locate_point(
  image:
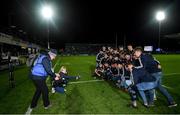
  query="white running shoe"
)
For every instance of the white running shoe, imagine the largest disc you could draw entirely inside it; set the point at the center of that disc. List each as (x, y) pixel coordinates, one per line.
(53, 90)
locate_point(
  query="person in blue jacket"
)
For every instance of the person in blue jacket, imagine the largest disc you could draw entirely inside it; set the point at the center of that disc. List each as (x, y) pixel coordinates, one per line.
(41, 68)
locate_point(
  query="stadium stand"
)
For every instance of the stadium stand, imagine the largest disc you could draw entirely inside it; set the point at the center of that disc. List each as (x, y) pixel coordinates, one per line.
(83, 49)
(18, 49)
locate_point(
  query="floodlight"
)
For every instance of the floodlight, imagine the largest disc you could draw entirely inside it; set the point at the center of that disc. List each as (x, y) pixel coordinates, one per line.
(160, 15)
(47, 12)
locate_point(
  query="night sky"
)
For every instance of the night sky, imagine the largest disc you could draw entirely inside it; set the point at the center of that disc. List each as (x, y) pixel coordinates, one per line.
(92, 21)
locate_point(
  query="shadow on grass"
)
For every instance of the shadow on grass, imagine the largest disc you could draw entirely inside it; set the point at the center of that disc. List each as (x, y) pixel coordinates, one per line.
(118, 90)
(74, 102)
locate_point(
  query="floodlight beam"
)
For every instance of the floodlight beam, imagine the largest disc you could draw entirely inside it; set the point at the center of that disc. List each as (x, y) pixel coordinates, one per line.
(160, 16)
(47, 12)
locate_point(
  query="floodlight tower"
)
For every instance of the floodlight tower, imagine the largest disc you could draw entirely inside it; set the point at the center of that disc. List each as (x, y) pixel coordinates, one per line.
(160, 16)
(47, 13)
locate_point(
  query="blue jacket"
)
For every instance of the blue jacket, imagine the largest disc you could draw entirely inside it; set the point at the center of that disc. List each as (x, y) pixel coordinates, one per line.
(42, 67)
(38, 69)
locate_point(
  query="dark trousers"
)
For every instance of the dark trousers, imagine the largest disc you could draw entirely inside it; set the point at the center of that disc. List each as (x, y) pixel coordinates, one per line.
(132, 90)
(41, 88)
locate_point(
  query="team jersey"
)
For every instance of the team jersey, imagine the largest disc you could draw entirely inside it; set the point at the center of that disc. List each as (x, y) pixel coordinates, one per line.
(104, 60)
(99, 57)
(115, 71)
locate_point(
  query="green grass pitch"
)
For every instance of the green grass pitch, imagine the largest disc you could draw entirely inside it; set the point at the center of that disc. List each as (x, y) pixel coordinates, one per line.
(86, 98)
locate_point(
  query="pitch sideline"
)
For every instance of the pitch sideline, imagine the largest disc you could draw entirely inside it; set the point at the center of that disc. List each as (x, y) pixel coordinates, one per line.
(88, 81)
(29, 110)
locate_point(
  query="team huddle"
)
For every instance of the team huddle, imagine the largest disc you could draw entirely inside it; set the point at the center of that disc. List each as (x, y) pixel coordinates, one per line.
(134, 71)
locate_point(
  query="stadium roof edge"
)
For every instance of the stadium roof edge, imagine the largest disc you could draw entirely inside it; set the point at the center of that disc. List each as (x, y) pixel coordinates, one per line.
(8, 39)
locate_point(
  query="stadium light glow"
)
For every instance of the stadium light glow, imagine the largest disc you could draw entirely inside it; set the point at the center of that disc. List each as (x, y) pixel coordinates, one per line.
(47, 12)
(160, 15)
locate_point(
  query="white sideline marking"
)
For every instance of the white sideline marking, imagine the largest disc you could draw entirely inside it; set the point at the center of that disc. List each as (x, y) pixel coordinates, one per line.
(79, 82)
(167, 87)
(29, 110)
(65, 63)
(89, 81)
(168, 74)
(90, 62)
(103, 80)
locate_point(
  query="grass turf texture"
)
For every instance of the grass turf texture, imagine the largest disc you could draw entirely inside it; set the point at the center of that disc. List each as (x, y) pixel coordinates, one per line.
(95, 97)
